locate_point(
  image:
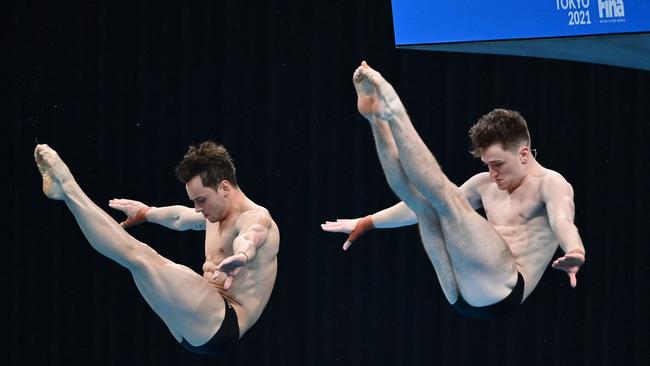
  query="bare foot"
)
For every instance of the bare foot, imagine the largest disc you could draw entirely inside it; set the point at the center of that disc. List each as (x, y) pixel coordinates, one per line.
(375, 96)
(53, 170)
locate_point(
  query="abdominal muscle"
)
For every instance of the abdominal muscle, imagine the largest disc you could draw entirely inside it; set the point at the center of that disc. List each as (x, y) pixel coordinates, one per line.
(532, 245)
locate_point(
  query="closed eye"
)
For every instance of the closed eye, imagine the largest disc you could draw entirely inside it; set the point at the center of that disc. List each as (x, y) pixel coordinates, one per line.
(494, 165)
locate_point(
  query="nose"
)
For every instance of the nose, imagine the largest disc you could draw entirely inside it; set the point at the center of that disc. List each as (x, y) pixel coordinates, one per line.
(197, 208)
(493, 173)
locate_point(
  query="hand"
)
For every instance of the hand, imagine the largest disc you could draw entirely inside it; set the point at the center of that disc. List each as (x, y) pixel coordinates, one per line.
(339, 226)
(570, 264)
(231, 267)
(355, 227)
(135, 211)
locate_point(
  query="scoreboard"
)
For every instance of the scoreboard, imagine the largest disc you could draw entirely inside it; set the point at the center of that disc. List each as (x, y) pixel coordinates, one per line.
(613, 32)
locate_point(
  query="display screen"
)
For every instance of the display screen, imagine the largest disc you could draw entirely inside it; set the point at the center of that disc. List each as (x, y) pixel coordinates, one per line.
(435, 21)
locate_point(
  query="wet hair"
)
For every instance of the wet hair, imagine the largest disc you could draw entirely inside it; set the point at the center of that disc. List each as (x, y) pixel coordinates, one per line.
(502, 126)
(210, 161)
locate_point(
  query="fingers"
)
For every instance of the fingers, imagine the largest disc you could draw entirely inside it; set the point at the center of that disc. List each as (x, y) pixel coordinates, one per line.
(125, 202)
(331, 227)
(566, 262)
(116, 205)
(555, 263)
(226, 285)
(233, 264)
(215, 275)
(562, 266)
(569, 267)
(347, 244)
(573, 280)
(230, 276)
(119, 204)
(335, 226)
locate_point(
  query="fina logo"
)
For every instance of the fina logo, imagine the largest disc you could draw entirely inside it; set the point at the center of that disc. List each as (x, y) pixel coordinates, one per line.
(611, 9)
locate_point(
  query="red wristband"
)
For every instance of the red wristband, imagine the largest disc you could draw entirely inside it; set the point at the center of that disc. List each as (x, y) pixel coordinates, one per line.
(139, 218)
(364, 224)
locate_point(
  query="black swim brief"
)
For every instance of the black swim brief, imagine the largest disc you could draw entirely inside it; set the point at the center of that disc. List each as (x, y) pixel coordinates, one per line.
(503, 307)
(226, 336)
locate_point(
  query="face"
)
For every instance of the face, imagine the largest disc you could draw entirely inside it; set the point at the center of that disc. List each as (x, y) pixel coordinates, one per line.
(506, 167)
(213, 204)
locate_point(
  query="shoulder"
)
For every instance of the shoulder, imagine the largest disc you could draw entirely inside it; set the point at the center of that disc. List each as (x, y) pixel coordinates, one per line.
(474, 188)
(257, 215)
(480, 178)
(553, 183)
(477, 181)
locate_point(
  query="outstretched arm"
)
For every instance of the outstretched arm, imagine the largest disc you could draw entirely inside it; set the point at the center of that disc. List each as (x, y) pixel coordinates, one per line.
(253, 227)
(176, 217)
(395, 216)
(558, 197)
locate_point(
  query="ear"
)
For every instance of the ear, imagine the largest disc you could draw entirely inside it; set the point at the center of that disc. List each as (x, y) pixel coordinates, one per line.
(524, 154)
(225, 187)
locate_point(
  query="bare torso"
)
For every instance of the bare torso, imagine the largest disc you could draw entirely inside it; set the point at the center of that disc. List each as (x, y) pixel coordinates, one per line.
(522, 221)
(251, 289)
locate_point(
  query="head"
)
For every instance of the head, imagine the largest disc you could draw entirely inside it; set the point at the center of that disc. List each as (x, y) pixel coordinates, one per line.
(502, 141)
(209, 176)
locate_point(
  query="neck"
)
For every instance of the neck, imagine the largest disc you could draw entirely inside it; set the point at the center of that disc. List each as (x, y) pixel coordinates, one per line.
(238, 203)
(532, 167)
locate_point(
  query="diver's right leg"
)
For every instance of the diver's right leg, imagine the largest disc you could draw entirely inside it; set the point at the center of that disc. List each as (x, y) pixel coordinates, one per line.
(184, 300)
(428, 222)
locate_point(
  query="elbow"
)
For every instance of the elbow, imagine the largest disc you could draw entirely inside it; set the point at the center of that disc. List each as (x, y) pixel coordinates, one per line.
(179, 225)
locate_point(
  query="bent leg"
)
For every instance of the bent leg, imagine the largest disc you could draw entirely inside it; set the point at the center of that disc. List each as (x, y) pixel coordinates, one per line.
(428, 223)
(190, 307)
(186, 302)
(483, 265)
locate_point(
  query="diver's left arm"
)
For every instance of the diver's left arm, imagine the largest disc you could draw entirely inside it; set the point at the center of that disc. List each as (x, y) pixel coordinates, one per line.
(557, 194)
(253, 227)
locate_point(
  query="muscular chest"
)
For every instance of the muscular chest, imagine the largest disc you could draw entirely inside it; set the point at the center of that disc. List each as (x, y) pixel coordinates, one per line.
(516, 208)
(218, 241)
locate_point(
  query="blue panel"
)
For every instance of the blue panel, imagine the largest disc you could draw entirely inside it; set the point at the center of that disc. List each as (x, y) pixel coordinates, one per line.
(435, 21)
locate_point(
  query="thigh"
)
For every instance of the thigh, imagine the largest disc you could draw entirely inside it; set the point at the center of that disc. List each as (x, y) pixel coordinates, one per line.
(188, 304)
(435, 247)
(484, 267)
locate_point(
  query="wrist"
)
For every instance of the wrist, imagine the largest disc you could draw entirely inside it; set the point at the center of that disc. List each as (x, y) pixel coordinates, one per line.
(365, 223)
(141, 215)
(245, 255)
(577, 251)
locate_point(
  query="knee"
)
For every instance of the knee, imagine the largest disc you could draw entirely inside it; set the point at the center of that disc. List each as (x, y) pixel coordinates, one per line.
(452, 202)
(142, 257)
